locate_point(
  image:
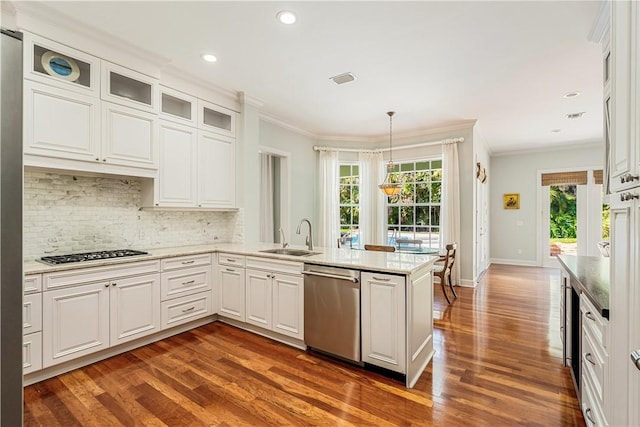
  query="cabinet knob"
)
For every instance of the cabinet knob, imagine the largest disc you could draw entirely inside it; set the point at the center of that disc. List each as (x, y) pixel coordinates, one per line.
(114, 284)
(106, 285)
(97, 159)
(104, 160)
(589, 316)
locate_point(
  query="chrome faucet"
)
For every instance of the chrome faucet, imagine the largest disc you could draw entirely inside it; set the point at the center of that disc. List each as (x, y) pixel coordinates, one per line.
(309, 240)
(284, 240)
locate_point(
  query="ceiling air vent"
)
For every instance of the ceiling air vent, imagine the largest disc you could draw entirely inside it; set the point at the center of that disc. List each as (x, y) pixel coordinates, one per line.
(343, 78)
(575, 115)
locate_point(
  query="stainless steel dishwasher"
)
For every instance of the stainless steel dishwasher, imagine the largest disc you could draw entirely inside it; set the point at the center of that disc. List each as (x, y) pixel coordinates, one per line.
(332, 311)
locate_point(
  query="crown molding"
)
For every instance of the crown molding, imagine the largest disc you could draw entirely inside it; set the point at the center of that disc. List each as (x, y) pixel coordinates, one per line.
(600, 29)
(278, 122)
(171, 71)
(407, 136)
(250, 100)
(37, 17)
(550, 148)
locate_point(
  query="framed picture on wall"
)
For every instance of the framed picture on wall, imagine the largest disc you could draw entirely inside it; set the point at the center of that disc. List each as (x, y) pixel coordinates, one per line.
(511, 201)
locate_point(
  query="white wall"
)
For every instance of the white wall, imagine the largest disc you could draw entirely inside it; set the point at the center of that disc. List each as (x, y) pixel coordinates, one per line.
(481, 229)
(517, 173)
(303, 173)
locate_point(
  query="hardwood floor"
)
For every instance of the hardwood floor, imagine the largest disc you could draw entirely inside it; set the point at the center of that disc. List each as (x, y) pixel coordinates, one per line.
(497, 362)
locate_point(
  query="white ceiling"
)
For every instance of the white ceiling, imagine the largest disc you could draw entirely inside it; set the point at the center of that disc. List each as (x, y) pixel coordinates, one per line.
(505, 63)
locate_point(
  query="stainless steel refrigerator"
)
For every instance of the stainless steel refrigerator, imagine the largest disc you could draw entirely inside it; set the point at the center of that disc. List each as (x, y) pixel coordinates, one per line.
(11, 184)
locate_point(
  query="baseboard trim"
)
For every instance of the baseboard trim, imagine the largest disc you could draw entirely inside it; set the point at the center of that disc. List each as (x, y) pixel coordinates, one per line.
(466, 283)
(518, 262)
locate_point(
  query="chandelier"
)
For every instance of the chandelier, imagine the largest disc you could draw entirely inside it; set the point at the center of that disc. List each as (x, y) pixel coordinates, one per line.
(388, 187)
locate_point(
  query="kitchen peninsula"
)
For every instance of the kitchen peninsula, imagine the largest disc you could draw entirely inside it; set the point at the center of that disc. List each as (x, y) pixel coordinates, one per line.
(92, 310)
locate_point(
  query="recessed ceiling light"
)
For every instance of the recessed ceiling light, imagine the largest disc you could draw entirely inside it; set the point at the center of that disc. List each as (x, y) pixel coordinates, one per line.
(556, 130)
(571, 94)
(286, 17)
(575, 115)
(209, 57)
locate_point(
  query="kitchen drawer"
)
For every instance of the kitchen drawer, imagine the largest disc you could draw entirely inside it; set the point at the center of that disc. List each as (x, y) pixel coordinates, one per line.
(180, 262)
(65, 278)
(592, 411)
(32, 352)
(594, 360)
(231, 259)
(185, 309)
(32, 283)
(32, 313)
(275, 265)
(593, 321)
(185, 282)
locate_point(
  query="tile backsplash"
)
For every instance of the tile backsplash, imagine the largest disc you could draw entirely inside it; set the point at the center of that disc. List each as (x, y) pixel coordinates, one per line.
(73, 213)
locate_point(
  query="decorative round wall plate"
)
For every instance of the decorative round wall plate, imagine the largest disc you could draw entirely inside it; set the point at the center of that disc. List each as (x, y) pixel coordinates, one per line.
(60, 66)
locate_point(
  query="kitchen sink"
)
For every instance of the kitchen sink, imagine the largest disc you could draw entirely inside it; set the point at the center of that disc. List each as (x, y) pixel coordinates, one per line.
(288, 251)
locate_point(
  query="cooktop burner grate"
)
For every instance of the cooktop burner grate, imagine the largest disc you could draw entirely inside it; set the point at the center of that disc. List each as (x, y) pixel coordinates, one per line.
(91, 256)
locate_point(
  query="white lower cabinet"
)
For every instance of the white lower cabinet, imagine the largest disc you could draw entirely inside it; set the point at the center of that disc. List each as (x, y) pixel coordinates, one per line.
(32, 324)
(91, 315)
(258, 298)
(231, 279)
(383, 320)
(76, 322)
(275, 296)
(134, 308)
(186, 289)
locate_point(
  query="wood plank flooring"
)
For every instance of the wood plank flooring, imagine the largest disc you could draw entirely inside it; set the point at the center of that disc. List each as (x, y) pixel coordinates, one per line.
(497, 362)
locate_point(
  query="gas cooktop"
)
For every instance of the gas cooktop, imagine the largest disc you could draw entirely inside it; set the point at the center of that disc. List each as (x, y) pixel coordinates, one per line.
(90, 256)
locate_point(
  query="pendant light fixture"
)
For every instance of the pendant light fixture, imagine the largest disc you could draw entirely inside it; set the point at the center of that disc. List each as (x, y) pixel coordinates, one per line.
(390, 188)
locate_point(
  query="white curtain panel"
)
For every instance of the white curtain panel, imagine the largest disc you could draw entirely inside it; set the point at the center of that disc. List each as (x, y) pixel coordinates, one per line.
(266, 198)
(328, 191)
(450, 215)
(373, 215)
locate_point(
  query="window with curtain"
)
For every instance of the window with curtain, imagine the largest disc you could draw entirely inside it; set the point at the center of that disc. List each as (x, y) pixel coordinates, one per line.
(349, 204)
(414, 214)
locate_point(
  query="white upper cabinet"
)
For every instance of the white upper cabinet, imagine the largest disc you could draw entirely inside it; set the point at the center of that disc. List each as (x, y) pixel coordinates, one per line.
(178, 107)
(128, 137)
(61, 66)
(216, 171)
(60, 123)
(176, 185)
(129, 88)
(217, 119)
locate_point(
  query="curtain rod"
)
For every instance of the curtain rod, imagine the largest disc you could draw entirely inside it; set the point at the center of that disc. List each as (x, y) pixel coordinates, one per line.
(401, 147)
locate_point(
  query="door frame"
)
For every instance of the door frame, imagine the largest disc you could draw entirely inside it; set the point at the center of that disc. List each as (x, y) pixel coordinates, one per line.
(285, 185)
(542, 224)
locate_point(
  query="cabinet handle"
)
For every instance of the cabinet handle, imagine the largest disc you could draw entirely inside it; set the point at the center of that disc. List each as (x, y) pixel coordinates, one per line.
(635, 356)
(106, 285)
(628, 196)
(230, 269)
(114, 284)
(231, 260)
(588, 358)
(589, 316)
(190, 282)
(189, 309)
(628, 178)
(587, 413)
(188, 262)
(382, 279)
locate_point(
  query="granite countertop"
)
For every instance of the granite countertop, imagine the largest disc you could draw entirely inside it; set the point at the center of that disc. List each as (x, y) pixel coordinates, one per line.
(388, 262)
(591, 276)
